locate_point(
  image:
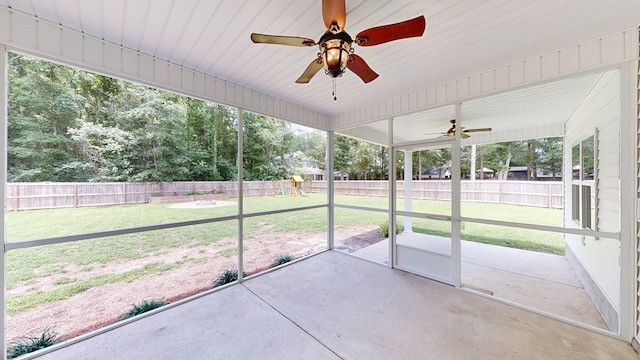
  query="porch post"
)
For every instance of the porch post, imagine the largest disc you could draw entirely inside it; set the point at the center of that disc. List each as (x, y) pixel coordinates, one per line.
(408, 187)
(473, 163)
(393, 195)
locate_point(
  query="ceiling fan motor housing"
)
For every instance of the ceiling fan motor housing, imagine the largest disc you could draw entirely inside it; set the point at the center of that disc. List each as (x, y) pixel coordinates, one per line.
(335, 50)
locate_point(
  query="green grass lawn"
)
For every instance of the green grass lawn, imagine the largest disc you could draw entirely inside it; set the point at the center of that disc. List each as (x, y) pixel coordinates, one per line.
(25, 266)
(489, 234)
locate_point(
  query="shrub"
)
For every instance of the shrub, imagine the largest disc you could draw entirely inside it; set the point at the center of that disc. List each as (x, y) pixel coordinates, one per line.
(25, 345)
(194, 193)
(282, 259)
(227, 276)
(384, 228)
(143, 307)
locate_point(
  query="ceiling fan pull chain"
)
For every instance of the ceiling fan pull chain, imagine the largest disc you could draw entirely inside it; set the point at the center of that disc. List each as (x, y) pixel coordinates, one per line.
(333, 92)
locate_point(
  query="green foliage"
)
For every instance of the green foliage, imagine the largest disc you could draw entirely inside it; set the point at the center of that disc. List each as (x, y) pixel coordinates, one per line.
(129, 132)
(193, 192)
(537, 154)
(42, 106)
(384, 228)
(282, 259)
(25, 345)
(143, 307)
(360, 160)
(227, 276)
(67, 124)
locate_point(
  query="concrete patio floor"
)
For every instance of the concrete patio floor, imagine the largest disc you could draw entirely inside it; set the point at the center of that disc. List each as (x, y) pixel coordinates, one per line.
(334, 306)
(541, 281)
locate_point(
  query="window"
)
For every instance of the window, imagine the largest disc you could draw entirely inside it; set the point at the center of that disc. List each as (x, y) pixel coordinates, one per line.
(583, 170)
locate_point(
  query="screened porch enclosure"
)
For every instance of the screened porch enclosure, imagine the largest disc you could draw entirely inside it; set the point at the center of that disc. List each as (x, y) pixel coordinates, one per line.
(166, 183)
(425, 197)
(439, 225)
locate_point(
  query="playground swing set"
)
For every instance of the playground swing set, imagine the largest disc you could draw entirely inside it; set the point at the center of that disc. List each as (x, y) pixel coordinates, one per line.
(295, 187)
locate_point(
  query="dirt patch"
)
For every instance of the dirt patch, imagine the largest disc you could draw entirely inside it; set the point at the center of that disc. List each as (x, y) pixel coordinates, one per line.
(355, 238)
(195, 267)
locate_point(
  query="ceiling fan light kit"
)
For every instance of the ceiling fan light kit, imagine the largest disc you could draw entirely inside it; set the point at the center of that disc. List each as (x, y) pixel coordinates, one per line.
(336, 51)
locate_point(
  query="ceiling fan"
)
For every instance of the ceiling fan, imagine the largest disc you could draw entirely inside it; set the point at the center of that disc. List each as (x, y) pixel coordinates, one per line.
(336, 51)
(463, 133)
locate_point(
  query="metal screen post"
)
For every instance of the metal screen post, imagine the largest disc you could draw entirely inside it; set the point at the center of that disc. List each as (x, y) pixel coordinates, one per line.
(329, 166)
(4, 89)
(456, 199)
(240, 164)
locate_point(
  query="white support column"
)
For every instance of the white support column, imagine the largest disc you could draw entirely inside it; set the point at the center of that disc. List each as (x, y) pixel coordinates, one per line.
(329, 167)
(628, 180)
(473, 163)
(408, 189)
(392, 197)
(240, 164)
(4, 89)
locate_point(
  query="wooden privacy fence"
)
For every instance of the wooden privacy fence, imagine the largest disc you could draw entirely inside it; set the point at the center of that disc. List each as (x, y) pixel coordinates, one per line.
(31, 196)
(548, 194)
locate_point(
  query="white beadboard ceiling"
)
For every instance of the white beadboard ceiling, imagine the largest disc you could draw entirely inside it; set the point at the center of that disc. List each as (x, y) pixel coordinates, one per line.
(462, 37)
(527, 108)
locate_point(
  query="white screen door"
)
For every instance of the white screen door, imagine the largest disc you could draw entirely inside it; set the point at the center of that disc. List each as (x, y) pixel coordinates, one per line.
(423, 243)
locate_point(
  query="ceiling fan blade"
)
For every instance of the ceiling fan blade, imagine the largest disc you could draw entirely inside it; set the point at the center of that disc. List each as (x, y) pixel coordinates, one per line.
(464, 136)
(476, 130)
(382, 34)
(281, 40)
(334, 11)
(360, 68)
(310, 71)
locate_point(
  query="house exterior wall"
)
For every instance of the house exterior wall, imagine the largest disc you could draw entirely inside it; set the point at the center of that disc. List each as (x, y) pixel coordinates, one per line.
(596, 260)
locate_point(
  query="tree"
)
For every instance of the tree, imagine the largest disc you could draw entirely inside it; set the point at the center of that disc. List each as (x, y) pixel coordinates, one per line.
(157, 124)
(42, 105)
(344, 148)
(267, 146)
(106, 149)
(210, 138)
(551, 155)
(312, 144)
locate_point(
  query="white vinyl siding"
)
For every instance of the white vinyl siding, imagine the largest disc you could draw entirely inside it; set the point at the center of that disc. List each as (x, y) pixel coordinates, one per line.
(599, 115)
(601, 110)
